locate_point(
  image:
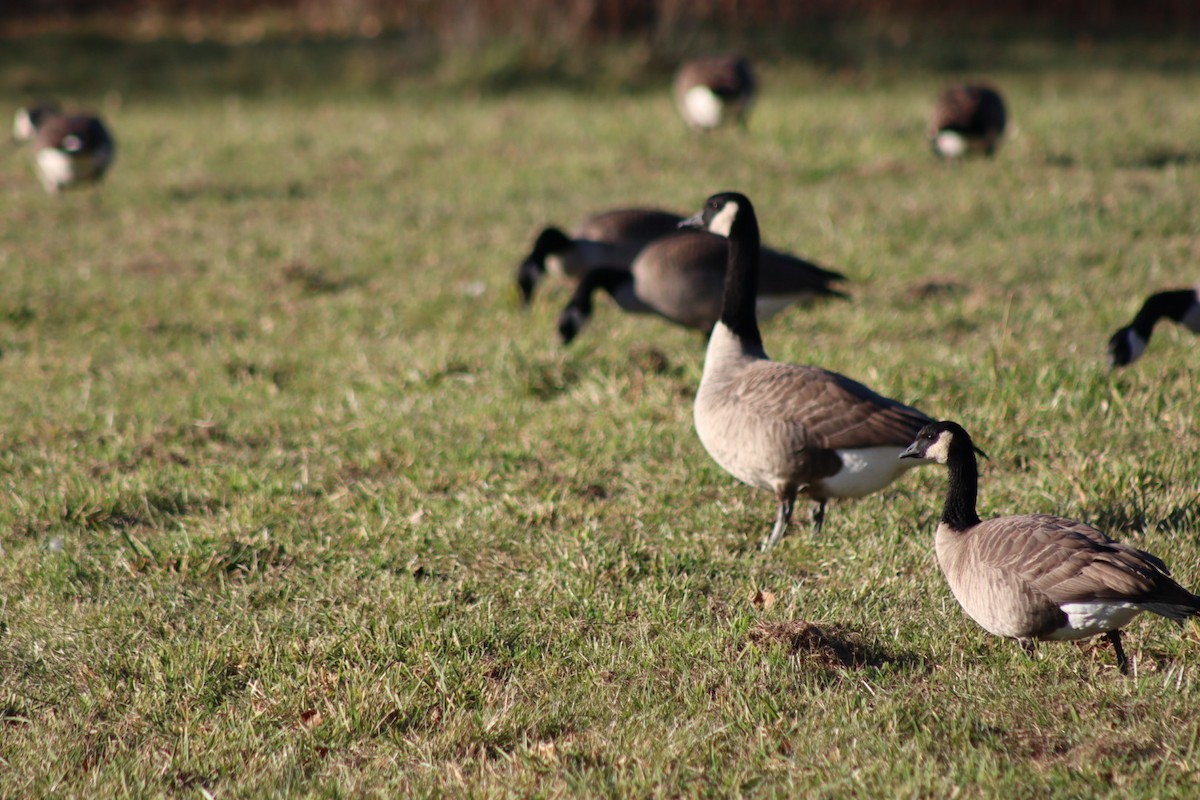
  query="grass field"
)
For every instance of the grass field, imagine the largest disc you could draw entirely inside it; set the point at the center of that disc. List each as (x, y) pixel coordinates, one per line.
(298, 502)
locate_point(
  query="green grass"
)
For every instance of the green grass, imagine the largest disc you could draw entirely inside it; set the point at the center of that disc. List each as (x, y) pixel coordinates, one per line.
(291, 511)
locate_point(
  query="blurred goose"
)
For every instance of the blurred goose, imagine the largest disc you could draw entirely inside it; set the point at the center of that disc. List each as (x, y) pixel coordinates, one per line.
(1039, 576)
(68, 150)
(787, 428)
(967, 117)
(1180, 305)
(710, 91)
(27, 120)
(611, 238)
(680, 278)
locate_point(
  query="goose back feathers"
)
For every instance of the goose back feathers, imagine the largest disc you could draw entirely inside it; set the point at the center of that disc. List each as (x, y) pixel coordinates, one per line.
(680, 278)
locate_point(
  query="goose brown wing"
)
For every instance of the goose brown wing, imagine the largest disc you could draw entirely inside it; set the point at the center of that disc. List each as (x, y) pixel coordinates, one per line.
(1069, 562)
(834, 411)
(782, 273)
(627, 225)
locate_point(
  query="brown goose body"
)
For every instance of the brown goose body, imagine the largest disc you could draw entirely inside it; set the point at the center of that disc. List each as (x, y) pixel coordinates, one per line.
(795, 429)
(787, 428)
(71, 150)
(1039, 576)
(715, 90)
(680, 278)
(608, 239)
(969, 117)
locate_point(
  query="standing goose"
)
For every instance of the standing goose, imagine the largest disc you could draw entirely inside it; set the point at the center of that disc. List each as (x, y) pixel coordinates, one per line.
(68, 150)
(680, 278)
(787, 428)
(610, 238)
(967, 117)
(710, 91)
(1039, 576)
(1180, 305)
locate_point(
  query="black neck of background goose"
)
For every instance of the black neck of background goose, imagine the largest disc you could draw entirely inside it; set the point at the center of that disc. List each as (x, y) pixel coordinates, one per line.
(1173, 305)
(610, 279)
(959, 512)
(741, 277)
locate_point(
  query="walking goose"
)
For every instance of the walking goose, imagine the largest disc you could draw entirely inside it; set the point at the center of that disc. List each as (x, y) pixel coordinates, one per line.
(709, 91)
(787, 428)
(680, 278)
(1180, 305)
(1039, 576)
(967, 117)
(610, 238)
(68, 150)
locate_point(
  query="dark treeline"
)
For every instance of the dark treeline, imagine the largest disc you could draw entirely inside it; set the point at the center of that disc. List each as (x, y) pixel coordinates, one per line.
(610, 19)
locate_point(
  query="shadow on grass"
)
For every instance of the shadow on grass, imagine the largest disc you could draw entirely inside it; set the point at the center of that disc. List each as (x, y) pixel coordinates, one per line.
(1161, 158)
(830, 647)
(1124, 519)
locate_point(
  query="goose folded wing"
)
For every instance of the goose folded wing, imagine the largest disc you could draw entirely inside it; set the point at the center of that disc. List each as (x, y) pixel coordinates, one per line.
(1067, 561)
(834, 411)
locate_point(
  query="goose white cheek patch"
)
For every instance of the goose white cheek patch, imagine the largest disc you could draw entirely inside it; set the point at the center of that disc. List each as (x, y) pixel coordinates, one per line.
(722, 223)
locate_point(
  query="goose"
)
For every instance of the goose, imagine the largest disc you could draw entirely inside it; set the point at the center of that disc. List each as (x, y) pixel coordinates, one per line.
(680, 278)
(68, 150)
(610, 238)
(1039, 576)
(787, 428)
(26, 120)
(967, 117)
(709, 91)
(1182, 305)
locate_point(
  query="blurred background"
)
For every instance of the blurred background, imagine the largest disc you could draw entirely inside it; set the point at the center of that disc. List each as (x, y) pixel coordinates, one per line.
(500, 45)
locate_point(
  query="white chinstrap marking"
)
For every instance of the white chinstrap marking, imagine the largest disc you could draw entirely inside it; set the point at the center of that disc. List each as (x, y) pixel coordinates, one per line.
(722, 223)
(939, 451)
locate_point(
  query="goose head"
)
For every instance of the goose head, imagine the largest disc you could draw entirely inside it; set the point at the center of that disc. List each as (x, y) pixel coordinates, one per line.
(722, 214)
(550, 242)
(939, 441)
(1125, 347)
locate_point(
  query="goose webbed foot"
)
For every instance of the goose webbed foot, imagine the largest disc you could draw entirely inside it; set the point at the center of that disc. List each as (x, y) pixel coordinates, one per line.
(1028, 646)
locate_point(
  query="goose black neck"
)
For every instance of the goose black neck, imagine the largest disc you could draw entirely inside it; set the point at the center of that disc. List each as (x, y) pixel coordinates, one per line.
(959, 512)
(610, 279)
(738, 312)
(1173, 305)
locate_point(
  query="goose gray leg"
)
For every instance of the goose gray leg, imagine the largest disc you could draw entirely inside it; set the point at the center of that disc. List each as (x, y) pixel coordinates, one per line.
(818, 516)
(1122, 662)
(781, 521)
(1028, 646)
